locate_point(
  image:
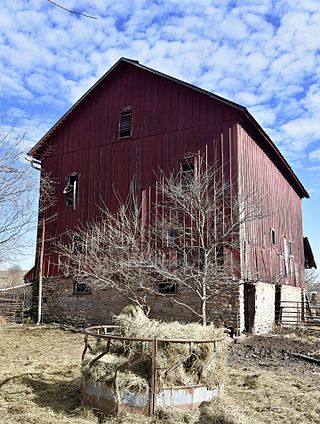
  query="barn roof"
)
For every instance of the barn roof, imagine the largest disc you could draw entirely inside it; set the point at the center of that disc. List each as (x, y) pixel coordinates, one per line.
(35, 152)
(309, 261)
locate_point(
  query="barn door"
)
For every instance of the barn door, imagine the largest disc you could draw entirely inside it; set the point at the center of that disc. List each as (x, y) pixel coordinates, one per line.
(277, 304)
(249, 306)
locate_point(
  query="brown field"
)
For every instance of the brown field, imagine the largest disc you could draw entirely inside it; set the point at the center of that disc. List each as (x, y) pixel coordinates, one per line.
(40, 382)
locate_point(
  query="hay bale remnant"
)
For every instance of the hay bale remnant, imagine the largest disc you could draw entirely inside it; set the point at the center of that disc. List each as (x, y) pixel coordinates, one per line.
(125, 366)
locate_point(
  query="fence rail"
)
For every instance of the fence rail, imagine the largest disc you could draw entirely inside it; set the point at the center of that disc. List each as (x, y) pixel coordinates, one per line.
(15, 303)
(303, 313)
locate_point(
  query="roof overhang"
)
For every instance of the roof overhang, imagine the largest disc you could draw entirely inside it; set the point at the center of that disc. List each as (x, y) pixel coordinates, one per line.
(309, 261)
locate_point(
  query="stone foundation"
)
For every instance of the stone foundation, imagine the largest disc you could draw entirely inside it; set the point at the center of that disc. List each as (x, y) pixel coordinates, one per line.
(226, 307)
(61, 304)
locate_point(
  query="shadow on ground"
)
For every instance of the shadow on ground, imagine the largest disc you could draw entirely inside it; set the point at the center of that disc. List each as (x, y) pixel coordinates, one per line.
(61, 396)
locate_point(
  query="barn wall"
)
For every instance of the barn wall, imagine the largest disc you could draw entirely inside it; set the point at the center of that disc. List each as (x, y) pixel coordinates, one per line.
(264, 186)
(169, 121)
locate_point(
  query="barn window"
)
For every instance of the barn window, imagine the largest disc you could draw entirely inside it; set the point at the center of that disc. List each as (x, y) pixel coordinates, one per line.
(81, 288)
(71, 190)
(187, 172)
(201, 258)
(125, 124)
(290, 248)
(77, 244)
(220, 255)
(172, 237)
(273, 237)
(168, 287)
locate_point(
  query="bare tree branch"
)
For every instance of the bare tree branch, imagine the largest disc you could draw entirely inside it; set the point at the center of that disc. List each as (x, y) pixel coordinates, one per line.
(16, 194)
(72, 11)
(192, 241)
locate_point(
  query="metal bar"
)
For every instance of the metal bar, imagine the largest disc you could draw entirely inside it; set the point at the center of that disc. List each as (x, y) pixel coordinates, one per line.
(153, 391)
(16, 287)
(174, 367)
(41, 272)
(145, 339)
(85, 347)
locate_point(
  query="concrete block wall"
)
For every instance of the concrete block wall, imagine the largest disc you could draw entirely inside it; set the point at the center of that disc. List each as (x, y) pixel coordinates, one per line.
(264, 308)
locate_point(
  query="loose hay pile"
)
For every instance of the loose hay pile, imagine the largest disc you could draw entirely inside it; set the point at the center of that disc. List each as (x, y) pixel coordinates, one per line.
(126, 365)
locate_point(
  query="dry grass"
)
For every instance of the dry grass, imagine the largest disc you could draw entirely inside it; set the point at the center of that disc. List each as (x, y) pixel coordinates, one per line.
(39, 384)
(276, 397)
(40, 377)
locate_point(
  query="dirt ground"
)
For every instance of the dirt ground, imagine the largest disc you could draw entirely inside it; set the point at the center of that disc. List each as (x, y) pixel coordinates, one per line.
(271, 383)
(40, 381)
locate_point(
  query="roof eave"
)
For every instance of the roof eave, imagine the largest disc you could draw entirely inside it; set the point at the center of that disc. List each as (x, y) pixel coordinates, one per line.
(299, 187)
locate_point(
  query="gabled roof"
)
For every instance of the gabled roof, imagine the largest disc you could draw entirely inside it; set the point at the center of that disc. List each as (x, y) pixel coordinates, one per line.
(35, 151)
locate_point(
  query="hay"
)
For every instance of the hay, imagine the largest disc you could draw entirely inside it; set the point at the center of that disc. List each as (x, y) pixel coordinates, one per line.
(39, 376)
(178, 364)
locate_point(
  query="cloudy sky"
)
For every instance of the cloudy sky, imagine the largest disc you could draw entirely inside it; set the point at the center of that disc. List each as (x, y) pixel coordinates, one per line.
(263, 54)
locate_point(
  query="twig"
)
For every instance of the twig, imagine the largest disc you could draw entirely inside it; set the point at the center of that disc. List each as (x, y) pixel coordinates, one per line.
(71, 11)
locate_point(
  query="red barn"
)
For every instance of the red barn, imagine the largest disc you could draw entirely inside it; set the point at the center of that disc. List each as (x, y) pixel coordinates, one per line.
(135, 120)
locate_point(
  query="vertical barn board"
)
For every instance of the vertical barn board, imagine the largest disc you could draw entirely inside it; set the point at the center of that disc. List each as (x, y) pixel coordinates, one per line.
(281, 202)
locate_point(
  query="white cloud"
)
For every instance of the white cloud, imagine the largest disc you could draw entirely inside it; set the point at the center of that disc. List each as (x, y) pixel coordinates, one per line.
(263, 54)
(315, 155)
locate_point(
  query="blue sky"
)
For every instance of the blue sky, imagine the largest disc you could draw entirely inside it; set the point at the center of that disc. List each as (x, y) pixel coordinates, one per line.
(263, 54)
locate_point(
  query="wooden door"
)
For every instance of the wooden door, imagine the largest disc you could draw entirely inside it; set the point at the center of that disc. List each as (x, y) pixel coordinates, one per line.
(249, 306)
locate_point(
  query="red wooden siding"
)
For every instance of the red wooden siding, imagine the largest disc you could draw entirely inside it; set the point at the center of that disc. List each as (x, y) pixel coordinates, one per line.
(169, 121)
(281, 208)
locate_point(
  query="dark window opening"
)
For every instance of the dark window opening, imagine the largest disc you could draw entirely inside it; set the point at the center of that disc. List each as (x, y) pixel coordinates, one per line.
(71, 191)
(201, 258)
(172, 237)
(168, 287)
(77, 244)
(187, 172)
(81, 288)
(125, 124)
(219, 255)
(290, 248)
(181, 258)
(273, 237)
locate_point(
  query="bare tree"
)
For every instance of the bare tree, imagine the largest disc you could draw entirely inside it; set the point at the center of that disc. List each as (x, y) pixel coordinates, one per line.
(192, 240)
(312, 280)
(107, 253)
(16, 194)
(196, 237)
(14, 275)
